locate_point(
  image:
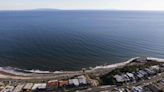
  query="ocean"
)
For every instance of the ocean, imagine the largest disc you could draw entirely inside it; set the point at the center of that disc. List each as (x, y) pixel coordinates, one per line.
(75, 39)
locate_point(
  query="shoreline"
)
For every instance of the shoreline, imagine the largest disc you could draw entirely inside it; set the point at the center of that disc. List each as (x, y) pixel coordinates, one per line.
(8, 73)
(19, 71)
(116, 64)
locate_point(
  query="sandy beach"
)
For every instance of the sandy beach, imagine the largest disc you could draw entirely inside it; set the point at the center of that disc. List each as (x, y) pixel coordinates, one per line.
(10, 74)
(98, 70)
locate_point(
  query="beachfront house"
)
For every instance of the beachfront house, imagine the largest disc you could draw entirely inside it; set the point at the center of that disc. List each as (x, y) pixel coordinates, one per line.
(28, 87)
(155, 68)
(82, 80)
(73, 82)
(53, 84)
(18, 88)
(131, 76)
(149, 71)
(139, 75)
(39, 87)
(8, 89)
(125, 77)
(119, 78)
(63, 83)
(145, 74)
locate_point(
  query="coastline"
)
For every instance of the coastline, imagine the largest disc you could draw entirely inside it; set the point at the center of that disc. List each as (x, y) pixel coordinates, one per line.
(117, 64)
(8, 73)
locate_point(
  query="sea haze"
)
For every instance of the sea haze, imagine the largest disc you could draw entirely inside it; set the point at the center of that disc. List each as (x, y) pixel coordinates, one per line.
(71, 40)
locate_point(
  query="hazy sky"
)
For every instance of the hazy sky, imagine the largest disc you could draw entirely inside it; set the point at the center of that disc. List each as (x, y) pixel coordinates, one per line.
(83, 4)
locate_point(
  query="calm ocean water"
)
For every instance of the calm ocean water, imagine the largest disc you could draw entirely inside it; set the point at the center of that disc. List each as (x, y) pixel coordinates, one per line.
(70, 40)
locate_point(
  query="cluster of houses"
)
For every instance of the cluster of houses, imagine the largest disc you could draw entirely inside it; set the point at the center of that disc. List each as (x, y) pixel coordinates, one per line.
(75, 82)
(145, 73)
(79, 81)
(157, 86)
(152, 87)
(28, 87)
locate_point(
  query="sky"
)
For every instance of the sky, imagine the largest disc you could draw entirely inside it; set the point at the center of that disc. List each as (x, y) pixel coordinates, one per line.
(83, 4)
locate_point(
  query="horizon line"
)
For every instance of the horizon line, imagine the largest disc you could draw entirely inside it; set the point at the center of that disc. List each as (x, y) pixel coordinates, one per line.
(48, 9)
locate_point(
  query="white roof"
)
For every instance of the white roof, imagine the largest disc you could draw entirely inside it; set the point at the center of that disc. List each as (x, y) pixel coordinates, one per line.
(118, 78)
(142, 72)
(8, 89)
(149, 70)
(39, 86)
(139, 75)
(125, 77)
(130, 74)
(82, 79)
(18, 88)
(155, 67)
(28, 86)
(74, 81)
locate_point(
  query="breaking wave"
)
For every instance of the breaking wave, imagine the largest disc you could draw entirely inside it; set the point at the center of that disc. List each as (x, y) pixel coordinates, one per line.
(117, 64)
(18, 71)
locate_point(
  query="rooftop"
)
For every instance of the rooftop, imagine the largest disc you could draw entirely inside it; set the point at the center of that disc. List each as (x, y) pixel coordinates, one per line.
(39, 86)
